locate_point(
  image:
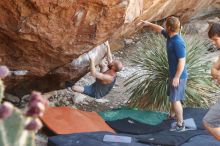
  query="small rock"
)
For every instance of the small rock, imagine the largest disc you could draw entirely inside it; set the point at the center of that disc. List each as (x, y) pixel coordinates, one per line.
(79, 98)
(50, 94)
(11, 98)
(214, 20)
(74, 107)
(85, 103)
(26, 98)
(66, 102)
(102, 100)
(128, 41)
(125, 101)
(40, 141)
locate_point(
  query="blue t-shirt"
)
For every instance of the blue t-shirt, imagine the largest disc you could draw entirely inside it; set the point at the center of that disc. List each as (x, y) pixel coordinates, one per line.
(176, 49)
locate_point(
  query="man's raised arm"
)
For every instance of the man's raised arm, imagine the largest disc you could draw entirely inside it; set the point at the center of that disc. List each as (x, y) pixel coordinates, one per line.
(155, 27)
(215, 70)
(98, 75)
(109, 53)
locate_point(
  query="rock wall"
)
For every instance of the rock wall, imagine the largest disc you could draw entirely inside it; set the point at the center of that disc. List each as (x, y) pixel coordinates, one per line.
(212, 9)
(44, 36)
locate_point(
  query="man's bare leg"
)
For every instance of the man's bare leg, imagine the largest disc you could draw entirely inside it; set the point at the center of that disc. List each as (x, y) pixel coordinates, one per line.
(172, 111)
(177, 106)
(78, 89)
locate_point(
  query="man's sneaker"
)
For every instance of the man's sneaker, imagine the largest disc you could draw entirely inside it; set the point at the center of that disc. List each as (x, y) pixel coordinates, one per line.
(178, 128)
(68, 85)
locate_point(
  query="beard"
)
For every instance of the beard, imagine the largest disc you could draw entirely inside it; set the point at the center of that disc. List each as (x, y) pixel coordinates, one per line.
(110, 66)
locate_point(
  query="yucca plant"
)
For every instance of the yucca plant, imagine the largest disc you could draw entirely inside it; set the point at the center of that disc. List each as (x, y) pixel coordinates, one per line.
(148, 85)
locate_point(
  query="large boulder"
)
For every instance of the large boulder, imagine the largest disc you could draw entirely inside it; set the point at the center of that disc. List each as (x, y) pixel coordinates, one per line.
(43, 37)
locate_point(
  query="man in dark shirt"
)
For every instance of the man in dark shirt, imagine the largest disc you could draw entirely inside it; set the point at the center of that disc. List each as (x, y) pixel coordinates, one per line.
(104, 80)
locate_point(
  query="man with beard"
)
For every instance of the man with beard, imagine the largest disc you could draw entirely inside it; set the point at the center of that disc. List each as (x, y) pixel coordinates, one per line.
(104, 80)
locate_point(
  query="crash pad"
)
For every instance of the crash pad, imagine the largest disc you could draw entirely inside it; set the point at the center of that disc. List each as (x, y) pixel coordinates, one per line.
(66, 120)
(91, 139)
(144, 116)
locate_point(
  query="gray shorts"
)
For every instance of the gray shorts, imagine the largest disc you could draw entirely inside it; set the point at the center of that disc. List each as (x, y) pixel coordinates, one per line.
(89, 90)
(177, 93)
(212, 118)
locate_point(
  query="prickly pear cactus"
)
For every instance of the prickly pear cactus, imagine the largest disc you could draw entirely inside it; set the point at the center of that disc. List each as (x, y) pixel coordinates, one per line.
(1, 90)
(13, 133)
(4, 71)
(18, 128)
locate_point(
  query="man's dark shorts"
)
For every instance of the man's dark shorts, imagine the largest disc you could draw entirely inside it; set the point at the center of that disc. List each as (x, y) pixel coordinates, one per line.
(212, 118)
(89, 90)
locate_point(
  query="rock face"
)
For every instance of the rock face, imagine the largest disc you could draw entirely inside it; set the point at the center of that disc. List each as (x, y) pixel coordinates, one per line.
(44, 36)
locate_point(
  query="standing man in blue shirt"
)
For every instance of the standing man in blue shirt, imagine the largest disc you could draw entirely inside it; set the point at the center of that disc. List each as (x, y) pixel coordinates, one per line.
(176, 53)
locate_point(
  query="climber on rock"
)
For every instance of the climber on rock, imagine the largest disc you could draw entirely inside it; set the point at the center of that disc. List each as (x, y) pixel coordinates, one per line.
(105, 80)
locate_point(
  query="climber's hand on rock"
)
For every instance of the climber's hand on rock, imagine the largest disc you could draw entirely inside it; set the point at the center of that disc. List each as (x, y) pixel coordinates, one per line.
(91, 58)
(143, 23)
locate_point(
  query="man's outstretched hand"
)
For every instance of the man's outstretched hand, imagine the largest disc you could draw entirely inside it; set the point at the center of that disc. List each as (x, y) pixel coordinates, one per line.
(143, 23)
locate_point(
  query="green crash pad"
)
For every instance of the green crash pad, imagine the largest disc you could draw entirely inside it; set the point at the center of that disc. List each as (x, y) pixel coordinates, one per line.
(148, 117)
